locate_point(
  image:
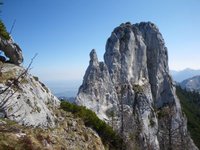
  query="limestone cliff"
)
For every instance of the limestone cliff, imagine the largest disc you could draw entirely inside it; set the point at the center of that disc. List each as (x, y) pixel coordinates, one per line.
(133, 91)
(24, 99)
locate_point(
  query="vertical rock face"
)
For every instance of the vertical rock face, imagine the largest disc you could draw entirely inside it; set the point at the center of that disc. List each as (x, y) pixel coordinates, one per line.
(97, 80)
(133, 92)
(157, 64)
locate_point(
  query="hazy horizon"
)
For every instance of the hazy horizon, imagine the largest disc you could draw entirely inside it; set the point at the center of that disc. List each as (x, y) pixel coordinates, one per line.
(69, 88)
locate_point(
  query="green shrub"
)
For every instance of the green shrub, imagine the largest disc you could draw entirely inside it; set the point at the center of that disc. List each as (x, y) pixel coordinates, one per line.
(107, 134)
(3, 31)
(137, 88)
(152, 122)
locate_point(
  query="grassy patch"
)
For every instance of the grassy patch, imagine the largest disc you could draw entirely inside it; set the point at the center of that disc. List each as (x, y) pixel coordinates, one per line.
(65, 135)
(4, 77)
(137, 88)
(108, 136)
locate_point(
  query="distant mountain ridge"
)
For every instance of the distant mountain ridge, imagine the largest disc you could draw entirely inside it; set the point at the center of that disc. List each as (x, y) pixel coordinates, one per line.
(181, 75)
(191, 84)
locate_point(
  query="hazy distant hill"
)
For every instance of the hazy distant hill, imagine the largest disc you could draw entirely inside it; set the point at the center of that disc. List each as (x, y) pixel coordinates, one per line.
(179, 76)
(191, 84)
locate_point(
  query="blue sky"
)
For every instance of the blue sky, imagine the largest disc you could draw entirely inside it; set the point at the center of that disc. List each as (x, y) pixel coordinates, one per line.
(63, 32)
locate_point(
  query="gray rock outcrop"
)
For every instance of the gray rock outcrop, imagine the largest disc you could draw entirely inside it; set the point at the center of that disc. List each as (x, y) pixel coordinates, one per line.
(94, 83)
(25, 100)
(133, 91)
(11, 50)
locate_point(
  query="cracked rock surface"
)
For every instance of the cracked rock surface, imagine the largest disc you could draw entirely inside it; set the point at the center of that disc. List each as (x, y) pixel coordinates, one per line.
(133, 91)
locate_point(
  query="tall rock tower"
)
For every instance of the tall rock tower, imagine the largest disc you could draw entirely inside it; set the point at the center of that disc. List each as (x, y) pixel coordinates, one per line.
(133, 91)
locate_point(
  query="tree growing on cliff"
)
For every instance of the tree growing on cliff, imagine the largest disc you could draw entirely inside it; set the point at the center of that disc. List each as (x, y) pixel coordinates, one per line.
(172, 134)
(3, 31)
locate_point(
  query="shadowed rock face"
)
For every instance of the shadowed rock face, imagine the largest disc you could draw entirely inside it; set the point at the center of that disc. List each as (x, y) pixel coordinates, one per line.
(133, 91)
(11, 50)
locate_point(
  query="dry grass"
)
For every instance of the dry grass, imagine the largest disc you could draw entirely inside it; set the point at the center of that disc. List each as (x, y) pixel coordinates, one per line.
(4, 77)
(64, 136)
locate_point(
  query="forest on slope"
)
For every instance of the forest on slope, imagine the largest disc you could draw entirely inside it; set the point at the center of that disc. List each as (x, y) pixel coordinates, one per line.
(190, 102)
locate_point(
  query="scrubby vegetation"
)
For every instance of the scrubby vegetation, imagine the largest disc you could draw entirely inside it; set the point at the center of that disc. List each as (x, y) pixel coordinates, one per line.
(3, 31)
(108, 136)
(190, 102)
(137, 88)
(8, 138)
(70, 133)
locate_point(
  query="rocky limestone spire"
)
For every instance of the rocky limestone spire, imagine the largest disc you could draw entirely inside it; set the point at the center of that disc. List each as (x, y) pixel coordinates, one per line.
(97, 80)
(125, 55)
(133, 87)
(93, 58)
(157, 63)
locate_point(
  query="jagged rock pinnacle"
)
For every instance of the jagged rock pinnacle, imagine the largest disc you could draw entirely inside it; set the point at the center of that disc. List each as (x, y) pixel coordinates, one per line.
(134, 87)
(93, 57)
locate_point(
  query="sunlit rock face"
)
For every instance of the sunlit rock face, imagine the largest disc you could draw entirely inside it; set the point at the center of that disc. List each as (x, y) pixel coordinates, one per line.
(133, 91)
(98, 88)
(28, 101)
(32, 105)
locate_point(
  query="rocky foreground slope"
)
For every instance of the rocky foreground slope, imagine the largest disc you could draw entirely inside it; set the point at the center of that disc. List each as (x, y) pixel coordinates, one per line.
(38, 122)
(70, 133)
(133, 91)
(30, 115)
(24, 98)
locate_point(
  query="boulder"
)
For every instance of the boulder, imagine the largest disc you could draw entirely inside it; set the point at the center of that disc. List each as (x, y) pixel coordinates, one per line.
(11, 50)
(27, 101)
